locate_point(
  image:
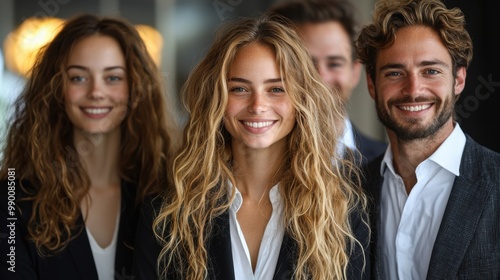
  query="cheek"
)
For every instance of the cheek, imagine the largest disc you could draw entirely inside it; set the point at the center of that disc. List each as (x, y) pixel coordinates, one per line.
(233, 107)
(287, 111)
(121, 95)
(72, 94)
(385, 91)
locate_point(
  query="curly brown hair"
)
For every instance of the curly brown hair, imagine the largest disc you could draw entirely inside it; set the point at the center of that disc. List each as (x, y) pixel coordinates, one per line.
(40, 146)
(390, 15)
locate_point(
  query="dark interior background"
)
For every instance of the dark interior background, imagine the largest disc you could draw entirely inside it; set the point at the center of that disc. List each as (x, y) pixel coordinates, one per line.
(478, 109)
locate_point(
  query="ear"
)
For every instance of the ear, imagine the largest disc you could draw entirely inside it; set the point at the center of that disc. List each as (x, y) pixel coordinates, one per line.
(371, 85)
(356, 73)
(460, 80)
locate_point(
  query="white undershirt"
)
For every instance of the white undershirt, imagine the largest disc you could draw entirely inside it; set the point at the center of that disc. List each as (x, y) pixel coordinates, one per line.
(269, 247)
(104, 258)
(410, 223)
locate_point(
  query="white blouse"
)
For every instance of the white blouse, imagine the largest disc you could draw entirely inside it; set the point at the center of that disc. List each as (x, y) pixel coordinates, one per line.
(269, 247)
(104, 258)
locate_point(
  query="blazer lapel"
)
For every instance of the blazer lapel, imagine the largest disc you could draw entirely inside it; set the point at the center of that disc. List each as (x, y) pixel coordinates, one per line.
(462, 214)
(377, 224)
(286, 259)
(79, 249)
(373, 185)
(220, 257)
(126, 233)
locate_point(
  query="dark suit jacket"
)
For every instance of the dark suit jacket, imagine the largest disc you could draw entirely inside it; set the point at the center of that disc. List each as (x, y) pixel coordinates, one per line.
(76, 260)
(220, 260)
(369, 148)
(467, 245)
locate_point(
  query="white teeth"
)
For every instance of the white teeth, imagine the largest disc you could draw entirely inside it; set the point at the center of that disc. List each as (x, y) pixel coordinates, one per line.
(415, 108)
(96, 111)
(258, 124)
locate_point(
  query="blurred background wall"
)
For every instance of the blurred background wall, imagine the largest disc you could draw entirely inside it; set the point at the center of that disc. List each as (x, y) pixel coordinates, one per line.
(188, 27)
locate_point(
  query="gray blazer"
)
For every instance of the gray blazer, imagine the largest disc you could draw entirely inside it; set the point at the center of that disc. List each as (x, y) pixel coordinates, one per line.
(468, 241)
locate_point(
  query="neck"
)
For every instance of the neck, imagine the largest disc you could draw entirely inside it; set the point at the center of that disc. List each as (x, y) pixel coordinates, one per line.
(99, 154)
(408, 154)
(257, 171)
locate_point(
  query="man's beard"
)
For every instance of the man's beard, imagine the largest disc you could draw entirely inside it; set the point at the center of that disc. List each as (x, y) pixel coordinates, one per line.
(411, 128)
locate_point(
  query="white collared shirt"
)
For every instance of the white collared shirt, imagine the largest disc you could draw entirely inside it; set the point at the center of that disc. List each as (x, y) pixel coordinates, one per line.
(410, 223)
(347, 139)
(269, 247)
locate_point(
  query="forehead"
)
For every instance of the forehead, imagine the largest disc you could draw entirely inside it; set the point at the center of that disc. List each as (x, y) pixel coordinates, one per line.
(412, 46)
(330, 28)
(326, 37)
(254, 59)
(96, 49)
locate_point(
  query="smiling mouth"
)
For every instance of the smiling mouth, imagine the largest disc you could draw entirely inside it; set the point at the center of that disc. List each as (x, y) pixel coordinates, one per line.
(96, 111)
(416, 108)
(258, 124)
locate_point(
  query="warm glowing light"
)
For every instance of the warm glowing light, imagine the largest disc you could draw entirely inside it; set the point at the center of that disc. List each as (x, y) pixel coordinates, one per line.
(22, 45)
(153, 41)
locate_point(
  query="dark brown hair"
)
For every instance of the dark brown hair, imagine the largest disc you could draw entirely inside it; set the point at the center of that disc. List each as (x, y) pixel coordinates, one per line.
(320, 11)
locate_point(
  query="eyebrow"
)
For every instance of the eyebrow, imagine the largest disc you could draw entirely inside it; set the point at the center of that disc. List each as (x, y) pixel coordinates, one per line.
(86, 69)
(422, 63)
(268, 81)
(336, 57)
(331, 58)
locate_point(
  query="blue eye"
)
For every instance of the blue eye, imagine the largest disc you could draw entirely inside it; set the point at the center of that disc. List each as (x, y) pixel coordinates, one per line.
(77, 79)
(114, 78)
(393, 74)
(277, 89)
(334, 65)
(432, 71)
(237, 89)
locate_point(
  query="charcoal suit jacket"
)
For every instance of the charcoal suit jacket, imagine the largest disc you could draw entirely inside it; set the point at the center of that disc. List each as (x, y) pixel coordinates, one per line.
(467, 245)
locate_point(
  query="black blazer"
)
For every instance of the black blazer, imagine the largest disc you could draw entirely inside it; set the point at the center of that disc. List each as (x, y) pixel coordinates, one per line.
(368, 147)
(76, 260)
(467, 245)
(220, 261)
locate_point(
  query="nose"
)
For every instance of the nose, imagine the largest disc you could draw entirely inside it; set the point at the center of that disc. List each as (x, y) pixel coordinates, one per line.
(95, 90)
(413, 85)
(258, 103)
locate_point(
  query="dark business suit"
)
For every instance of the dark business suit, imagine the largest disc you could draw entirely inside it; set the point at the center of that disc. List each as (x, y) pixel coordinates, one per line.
(220, 260)
(76, 260)
(368, 147)
(467, 245)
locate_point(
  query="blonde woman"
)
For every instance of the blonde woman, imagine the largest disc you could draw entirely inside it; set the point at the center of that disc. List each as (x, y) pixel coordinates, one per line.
(259, 192)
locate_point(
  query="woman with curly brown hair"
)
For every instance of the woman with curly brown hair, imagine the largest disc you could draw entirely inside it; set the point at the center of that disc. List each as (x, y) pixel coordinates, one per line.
(90, 138)
(259, 192)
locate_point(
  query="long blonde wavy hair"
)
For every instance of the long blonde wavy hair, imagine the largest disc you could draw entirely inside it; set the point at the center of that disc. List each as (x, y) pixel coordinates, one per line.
(39, 143)
(318, 187)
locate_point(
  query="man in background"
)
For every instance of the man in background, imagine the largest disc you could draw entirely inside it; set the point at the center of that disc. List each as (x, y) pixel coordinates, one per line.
(329, 30)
